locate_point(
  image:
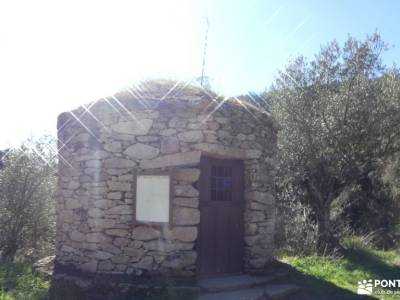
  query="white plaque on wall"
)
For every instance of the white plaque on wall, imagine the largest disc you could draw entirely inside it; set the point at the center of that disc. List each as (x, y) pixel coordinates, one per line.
(152, 198)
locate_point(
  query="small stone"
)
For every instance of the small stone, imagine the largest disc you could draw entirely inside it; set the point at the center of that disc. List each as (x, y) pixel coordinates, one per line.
(169, 145)
(251, 240)
(140, 127)
(186, 191)
(119, 186)
(256, 216)
(120, 259)
(73, 185)
(67, 216)
(222, 120)
(257, 206)
(114, 195)
(134, 252)
(77, 236)
(101, 255)
(168, 132)
(93, 164)
(141, 151)
(120, 241)
(213, 125)
(210, 138)
(103, 203)
(241, 137)
(251, 228)
(110, 248)
(262, 197)
(177, 123)
(185, 234)
(144, 233)
(95, 213)
(196, 126)
(72, 204)
(100, 223)
(120, 210)
(188, 174)
(253, 153)
(179, 159)
(186, 216)
(113, 146)
(97, 190)
(117, 171)
(188, 202)
(92, 171)
(191, 136)
(180, 260)
(105, 265)
(118, 232)
(97, 237)
(89, 266)
(117, 163)
(166, 246)
(126, 177)
(82, 137)
(148, 138)
(220, 150)
(136, 244)
(146, 263)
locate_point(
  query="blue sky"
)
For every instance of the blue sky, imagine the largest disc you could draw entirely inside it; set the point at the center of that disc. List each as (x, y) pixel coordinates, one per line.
(253, 39)
(56, 55)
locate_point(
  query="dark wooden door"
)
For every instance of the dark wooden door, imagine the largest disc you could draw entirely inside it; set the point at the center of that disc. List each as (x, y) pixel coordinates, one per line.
(220, 245)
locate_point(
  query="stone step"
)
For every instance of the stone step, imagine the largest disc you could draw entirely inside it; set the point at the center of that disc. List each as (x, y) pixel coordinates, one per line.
(281, 291)
(245, 294)
(270, 292)
(235, 282)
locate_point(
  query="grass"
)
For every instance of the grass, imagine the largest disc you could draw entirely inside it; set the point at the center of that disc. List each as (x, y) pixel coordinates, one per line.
(337, 277)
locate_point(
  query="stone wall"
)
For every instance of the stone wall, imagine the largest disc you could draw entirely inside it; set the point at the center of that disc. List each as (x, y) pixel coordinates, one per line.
(104, 144)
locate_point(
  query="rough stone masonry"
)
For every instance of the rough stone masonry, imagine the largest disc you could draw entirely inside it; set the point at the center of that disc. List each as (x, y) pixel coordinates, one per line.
(103, 145)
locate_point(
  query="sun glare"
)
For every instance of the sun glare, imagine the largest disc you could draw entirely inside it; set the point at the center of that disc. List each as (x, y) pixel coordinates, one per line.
(56, 56)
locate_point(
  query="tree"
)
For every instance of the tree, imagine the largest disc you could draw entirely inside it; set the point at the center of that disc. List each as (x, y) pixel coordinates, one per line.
(27, 184)
(2, 154)
(340, 118)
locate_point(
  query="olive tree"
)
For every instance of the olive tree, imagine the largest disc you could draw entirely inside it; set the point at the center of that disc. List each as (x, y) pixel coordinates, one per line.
(27, 184)
(340, 117)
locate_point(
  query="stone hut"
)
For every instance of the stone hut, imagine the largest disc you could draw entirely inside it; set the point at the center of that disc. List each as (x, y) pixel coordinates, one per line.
(165, 179)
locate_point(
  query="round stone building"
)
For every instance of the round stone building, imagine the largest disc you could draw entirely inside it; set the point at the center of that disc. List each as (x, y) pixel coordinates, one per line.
(165, 179)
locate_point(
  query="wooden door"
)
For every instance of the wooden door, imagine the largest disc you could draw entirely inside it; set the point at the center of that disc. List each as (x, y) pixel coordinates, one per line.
(220, 244)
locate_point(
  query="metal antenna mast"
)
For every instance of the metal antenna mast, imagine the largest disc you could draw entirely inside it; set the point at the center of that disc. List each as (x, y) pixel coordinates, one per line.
(204, 52)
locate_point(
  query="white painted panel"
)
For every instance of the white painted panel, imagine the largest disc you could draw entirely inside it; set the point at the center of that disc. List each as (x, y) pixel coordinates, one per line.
(152, 198)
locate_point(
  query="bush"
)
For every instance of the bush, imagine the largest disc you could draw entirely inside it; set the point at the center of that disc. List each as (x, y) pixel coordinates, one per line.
(18, 282)
(27, 184)
(296, 232)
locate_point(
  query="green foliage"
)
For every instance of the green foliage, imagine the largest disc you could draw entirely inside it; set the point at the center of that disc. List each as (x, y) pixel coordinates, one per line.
(17, 282)
(296, 232)
(27, 184)
(4, 296)
(391, 176)
(340, 119)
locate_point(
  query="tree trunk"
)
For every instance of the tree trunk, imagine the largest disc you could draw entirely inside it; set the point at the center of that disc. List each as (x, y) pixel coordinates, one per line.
(8, 255)
(9, 252)
(327, 243)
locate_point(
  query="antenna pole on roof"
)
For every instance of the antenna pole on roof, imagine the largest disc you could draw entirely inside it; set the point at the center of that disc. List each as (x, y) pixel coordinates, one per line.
(204, 52)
